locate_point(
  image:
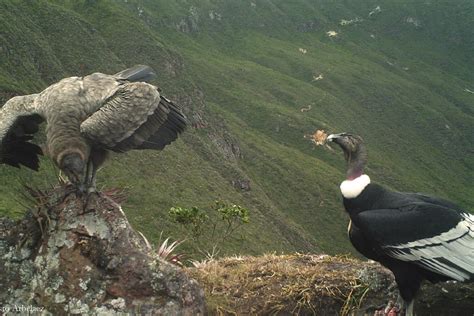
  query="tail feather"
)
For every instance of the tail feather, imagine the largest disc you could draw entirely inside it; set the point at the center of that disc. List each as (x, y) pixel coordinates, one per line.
(136, 73)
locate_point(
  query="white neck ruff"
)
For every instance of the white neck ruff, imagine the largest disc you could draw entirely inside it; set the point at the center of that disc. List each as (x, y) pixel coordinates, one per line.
(352, 188)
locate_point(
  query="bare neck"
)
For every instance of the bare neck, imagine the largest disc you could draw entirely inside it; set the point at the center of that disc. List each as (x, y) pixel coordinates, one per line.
(356, 162)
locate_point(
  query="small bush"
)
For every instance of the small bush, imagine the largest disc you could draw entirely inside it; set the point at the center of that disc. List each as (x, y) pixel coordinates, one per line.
(214, 226)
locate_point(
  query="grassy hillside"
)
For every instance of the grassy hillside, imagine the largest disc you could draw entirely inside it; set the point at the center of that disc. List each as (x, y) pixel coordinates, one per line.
(398, 74)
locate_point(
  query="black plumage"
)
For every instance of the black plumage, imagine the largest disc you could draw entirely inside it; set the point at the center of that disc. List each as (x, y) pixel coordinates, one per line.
(16, 148)
(416, 236)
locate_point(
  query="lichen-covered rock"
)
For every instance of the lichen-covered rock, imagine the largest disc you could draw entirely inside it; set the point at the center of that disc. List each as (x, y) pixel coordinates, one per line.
(72, 256)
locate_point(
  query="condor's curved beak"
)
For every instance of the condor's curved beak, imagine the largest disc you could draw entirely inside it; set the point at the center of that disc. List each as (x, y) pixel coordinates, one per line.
(333, 137)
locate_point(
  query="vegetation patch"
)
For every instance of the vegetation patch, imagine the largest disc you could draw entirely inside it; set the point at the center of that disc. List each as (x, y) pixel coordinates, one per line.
(297, 284)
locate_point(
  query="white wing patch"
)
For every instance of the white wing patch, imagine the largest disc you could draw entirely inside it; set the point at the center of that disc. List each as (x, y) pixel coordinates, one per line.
(352, 188)
(450, 253)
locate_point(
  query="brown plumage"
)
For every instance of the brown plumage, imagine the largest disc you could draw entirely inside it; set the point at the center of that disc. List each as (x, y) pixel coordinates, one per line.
(87, 117)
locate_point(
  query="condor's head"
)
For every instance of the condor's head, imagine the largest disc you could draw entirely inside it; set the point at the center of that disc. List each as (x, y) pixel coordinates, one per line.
(354, 152)
(72, 164)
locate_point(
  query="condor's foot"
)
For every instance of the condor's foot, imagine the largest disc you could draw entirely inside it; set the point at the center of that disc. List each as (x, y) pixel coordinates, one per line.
(88, 190)
(90, 201)
(84, 189)
(88, 194)
(391, 309)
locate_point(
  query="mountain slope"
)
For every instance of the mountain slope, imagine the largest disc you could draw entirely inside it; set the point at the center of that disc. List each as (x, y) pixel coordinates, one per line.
(244, 71)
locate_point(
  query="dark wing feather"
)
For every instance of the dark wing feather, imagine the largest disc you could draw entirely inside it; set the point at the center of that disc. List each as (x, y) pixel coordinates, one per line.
(433, 237)
(405, 224)
(15, 147)
(161, 128)
(432, 200)
(174, 125)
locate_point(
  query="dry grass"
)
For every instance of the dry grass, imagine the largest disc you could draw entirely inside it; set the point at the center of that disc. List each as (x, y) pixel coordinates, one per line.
(281, 285)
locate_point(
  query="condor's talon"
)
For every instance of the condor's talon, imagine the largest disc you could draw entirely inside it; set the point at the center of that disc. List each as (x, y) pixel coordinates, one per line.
(87, 204)
(391, 309)
(394, 311)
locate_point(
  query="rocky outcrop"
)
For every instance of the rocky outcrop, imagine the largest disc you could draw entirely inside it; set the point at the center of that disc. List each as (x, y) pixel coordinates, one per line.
(241, 184)
(72, 255)
(226, 144)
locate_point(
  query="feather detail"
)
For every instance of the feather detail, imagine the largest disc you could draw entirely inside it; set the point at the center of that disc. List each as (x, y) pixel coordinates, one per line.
(122, 114)
(450, 253)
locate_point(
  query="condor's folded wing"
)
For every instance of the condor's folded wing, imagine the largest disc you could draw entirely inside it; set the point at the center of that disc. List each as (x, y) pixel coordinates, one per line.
(431, 236)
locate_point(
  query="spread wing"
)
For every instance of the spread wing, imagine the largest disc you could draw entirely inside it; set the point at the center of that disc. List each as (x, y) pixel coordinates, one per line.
(18, 122)
(160, 129)
(134, 117)
(431, 236)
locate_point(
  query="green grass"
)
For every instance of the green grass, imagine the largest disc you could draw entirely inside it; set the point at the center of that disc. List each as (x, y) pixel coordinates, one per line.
(239, 67)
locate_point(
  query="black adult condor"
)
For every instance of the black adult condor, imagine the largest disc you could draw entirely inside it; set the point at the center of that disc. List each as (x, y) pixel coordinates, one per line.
(416, 236)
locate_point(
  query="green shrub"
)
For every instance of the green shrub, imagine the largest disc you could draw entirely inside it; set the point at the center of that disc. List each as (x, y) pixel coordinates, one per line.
(215, 225)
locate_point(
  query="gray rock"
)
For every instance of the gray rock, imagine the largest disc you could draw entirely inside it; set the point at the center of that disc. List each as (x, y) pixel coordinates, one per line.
(86, 258)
